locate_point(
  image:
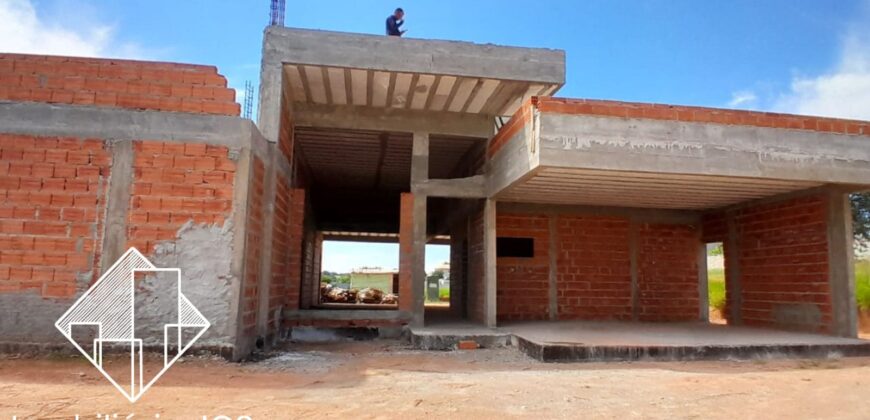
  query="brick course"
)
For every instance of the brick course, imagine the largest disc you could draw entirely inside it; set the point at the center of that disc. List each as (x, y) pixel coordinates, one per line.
(126, 84)
(523, 283)
(52, 202)
(174, 183)
(667, 272)
(254, 232)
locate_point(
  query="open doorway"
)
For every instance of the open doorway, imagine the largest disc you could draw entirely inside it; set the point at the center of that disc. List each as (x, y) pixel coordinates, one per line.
(716, 296)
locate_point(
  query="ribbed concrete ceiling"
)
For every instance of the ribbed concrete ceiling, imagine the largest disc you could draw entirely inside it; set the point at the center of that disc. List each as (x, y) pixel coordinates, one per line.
(638, 189)
(324, 85)
(362, 160)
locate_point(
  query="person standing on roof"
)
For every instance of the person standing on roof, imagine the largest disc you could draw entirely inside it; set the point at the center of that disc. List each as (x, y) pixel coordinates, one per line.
(395, 22)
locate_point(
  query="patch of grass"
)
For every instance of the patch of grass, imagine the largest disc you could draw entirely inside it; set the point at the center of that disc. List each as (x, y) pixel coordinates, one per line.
(862, 284)
(716, 288)
(444, 294)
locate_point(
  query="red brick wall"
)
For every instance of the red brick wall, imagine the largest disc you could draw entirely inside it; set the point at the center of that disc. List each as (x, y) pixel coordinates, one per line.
(52, 202)
(174, 183)
(280, 249)
(116, 83)
(593, 268)
(254, 232)
(523, 283)
(667, 272)
(783, 251)
(295, 237)
(476, 299)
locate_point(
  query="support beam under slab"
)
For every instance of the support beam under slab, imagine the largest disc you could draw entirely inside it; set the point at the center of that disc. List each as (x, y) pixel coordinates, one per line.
(841, 269)
(489, 263)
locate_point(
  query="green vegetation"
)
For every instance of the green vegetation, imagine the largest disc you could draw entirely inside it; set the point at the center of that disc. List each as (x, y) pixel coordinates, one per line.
(444, 294)
(862, 284)
(334, 278)
(716, 288)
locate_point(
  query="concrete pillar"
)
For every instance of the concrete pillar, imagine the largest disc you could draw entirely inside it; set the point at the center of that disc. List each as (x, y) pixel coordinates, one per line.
(489, 263)
(406, 252)
(419, 174)
(733, 278)
(703, 294)
(553, 294)
(841, 269)
(118, 205)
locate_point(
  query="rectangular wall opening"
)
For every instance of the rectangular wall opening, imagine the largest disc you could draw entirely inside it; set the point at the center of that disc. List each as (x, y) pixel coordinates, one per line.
(716, 296)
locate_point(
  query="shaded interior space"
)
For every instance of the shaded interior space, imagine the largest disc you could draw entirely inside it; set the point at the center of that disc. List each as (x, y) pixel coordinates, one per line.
(354, 181)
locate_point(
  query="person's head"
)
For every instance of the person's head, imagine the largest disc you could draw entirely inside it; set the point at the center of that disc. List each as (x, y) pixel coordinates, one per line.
(399, 13)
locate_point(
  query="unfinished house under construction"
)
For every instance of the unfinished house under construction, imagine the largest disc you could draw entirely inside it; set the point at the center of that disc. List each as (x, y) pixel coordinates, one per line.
(577, 228)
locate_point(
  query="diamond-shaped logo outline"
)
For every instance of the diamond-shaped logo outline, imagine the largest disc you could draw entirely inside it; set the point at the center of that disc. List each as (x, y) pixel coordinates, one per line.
(101, 303)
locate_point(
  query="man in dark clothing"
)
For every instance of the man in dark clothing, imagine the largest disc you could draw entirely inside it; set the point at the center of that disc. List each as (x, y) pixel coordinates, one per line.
(395, 22)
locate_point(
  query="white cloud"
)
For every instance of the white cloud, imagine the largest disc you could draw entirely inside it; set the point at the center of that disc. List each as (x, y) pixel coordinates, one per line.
(842, 92)
(22, 30)
(743, 99)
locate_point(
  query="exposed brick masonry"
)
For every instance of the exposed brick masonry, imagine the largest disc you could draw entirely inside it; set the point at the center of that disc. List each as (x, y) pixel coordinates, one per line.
(116, 83)
(52, 201)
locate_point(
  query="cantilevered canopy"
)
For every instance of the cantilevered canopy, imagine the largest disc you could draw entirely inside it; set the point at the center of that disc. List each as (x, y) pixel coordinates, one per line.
(320, 68)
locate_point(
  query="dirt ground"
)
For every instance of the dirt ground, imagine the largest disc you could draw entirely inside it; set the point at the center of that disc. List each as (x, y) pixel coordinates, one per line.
(388, 380)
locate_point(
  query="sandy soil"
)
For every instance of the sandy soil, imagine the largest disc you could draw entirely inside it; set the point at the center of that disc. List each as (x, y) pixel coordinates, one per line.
(387, 380)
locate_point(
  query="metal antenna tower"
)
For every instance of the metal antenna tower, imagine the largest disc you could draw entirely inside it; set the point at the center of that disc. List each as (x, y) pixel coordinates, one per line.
(277, 13)
(249, 100)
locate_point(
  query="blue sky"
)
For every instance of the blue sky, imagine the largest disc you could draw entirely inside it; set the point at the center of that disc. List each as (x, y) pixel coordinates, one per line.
(804, 56)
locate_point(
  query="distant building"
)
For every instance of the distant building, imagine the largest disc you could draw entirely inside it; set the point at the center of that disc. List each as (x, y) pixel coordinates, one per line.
(375, 278)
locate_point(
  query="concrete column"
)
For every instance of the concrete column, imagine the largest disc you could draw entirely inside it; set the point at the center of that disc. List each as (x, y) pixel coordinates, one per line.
(841, 269)
(553, 295)
(406, 252)
(733, 287)
(633, 256)
(489, 263)
(703, 295)
(419, 174)
(118, 204)
(265, 245)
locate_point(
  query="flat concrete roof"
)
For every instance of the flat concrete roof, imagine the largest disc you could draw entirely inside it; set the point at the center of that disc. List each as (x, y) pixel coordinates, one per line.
(607, 153)
(322, 73)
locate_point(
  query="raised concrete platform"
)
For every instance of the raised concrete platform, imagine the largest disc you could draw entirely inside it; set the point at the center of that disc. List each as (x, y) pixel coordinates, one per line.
(576, 341)
(446, 336)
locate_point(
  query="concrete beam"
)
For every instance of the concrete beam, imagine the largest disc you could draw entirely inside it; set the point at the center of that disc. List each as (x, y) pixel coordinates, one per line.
(373, 52)
(679, 217)
(841, 268)
(471, 187)
(346, 117)
(120, 124)
(674, 147)
(489, 264)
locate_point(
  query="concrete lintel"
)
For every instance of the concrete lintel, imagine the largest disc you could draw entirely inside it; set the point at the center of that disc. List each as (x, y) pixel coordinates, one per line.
(489, 263)
(338, 49)
(682, 217)
(674, 147)
(470, 187)
(120, 124)
(117, 204)
(841, 269)
(348, 117)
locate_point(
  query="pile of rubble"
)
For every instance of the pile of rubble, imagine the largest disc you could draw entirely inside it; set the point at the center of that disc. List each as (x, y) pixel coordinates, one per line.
(332, 294)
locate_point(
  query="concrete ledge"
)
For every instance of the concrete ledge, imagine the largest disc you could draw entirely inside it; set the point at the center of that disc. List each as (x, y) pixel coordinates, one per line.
(564, 353)
(448, 338)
